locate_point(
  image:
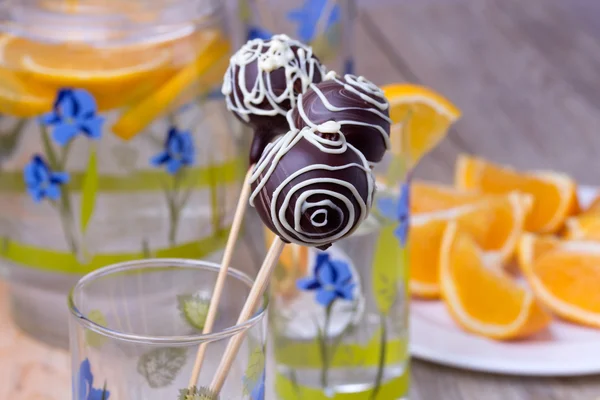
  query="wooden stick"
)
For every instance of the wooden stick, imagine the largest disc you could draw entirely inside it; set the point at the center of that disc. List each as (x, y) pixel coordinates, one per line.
(254, 297)
(238, 218)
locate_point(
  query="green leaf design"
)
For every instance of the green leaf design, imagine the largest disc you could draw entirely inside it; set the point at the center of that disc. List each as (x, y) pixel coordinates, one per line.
(194, 309)
(89, 191)
(161, 366)
(255, 367)
(94, 339)
(387, 265)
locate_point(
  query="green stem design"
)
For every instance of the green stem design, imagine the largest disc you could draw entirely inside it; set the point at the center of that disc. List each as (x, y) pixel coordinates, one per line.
(64, 156)
(176, 201)
(105, 393)
(48, 149)
(8, 141)
(382, 354)
(67, 218)
(64, 207)
(325, 356)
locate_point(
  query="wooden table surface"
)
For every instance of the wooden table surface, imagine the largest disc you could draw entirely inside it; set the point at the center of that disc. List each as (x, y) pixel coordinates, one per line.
(526, 75)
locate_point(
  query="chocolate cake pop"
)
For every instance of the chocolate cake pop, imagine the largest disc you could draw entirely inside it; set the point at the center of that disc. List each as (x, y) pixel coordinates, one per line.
(356, 104)
(311, 187)
(263, 82)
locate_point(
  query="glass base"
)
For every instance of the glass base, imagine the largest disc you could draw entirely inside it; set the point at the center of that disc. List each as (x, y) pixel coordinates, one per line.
(343, 383)
(41, 313)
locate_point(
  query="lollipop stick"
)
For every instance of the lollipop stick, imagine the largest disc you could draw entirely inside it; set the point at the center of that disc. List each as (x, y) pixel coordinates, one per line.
(256, 293)
(222, 276)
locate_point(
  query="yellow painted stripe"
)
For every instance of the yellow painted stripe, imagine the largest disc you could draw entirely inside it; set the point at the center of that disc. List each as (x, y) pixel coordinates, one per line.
(395, 388)
(35, 257)
(308, 355)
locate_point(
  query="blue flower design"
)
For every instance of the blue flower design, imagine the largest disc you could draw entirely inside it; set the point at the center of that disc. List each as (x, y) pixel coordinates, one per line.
(309, 17)
(258, 392)
(41, 181)
(331, 280)
(74, 112)
(85, 379)
(178, 151)
(256, 32)
(398, 210)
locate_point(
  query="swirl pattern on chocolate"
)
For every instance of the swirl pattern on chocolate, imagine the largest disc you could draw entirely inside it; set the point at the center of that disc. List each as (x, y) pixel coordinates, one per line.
(357, 104)
(311, 187)
(265, 77)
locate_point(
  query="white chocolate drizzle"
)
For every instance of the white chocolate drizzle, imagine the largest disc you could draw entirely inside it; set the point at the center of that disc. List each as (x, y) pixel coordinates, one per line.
(297, 198)
(360, 86)
(299, 65)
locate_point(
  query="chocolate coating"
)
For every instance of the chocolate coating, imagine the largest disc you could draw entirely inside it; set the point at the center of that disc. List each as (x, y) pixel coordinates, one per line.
(263, 82)
(311, 188)
(357, 104)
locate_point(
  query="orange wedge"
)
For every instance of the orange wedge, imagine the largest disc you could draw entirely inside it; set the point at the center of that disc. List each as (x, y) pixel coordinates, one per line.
(583, 227)
(496, 224)
(20, 99)
(594, 207)
(421, 119)
(481, 298)
(199, 76)
(564, 276)
(554, 194)
(429, 196)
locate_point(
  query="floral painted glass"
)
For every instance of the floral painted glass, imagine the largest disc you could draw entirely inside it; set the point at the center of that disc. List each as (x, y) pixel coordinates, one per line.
(324, 24)
(114, 143)
(339, 318)
(136, 327)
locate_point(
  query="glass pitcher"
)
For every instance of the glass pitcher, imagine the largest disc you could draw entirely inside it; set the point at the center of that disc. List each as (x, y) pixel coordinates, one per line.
(326, 25)
(114, 143)
(339, 318)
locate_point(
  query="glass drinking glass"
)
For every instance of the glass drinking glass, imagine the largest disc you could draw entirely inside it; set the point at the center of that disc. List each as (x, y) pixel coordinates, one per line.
(114, 143)
(135, 328)
(339, 318)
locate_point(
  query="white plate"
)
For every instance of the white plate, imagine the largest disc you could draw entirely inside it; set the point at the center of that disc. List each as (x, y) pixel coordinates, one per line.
(563, 350)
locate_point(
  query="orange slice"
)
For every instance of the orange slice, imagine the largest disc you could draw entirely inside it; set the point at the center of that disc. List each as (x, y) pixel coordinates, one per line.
(197, 77)
(583, 227)
(594, 207)
(496, 224)
(564, 276)
(429, 196)
(531, 247)
(554, 194)
(421, 119)
(20, 99)
(483, 299)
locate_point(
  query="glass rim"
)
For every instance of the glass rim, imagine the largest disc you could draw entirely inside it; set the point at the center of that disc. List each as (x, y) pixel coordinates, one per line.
(150, 263)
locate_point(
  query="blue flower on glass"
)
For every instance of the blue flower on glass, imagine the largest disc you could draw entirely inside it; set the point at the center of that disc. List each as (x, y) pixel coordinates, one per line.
(258, 392)
(311, 19)
(74, 112)
(85, 379)
(256, 32)
(178, 151)
(41, 181)
(398, 210)
(331, 280)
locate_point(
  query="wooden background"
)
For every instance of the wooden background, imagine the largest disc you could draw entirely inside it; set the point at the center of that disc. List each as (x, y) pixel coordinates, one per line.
(525, 74)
